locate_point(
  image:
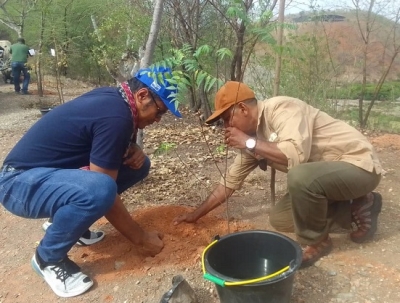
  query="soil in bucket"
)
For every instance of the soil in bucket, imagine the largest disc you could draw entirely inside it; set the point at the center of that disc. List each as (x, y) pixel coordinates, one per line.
(238, 258)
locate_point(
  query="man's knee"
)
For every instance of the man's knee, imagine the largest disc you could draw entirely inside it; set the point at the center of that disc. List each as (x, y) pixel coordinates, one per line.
(127, 177)
(145, 169)
(136, 175)
(104, 191)
(297, 177)
(280, 216)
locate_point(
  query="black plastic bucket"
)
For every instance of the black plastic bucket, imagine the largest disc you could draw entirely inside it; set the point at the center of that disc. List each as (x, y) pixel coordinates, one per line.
(45, 110)
(241, 257)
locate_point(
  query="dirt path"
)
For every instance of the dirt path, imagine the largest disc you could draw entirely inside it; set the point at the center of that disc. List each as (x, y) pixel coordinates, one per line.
(353, 273)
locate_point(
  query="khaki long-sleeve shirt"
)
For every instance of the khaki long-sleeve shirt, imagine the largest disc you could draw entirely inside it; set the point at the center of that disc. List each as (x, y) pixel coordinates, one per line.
(304, 134)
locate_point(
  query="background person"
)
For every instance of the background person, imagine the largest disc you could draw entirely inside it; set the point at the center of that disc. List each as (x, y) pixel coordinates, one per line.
(46, 174)
(19, 57)
(332, 168)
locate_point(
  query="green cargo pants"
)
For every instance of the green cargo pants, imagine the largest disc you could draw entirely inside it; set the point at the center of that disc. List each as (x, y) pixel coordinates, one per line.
(318, 198)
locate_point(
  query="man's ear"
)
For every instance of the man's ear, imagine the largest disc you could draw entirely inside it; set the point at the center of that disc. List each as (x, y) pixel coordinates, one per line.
(141, 95)
(244, 108)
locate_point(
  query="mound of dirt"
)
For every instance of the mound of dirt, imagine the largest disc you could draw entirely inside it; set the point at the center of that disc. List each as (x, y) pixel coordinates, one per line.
(387, 141)
(115, 257)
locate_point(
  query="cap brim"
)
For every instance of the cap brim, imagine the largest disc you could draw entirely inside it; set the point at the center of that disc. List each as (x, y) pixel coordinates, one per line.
(171, 107)
(216, 115)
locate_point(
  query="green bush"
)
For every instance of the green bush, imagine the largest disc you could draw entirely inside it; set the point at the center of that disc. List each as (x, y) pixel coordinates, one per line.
(390, 91)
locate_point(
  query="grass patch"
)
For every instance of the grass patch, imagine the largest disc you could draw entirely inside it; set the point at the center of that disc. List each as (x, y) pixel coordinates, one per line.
(377, 121)
(390, 91)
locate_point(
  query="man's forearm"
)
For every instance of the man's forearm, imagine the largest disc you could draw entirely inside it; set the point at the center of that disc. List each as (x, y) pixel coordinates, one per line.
(216, 198)
(120, 218)
(269, 150)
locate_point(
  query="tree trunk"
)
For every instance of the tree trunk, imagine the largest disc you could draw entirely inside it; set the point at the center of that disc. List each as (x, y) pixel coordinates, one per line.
(58, 76)
(237, 61)
(277, 80)
(278, 62)
(38, 69)
(365, 36)
(205, 105)
(379, 86)
(363, 87)
(154, 29)
(150, 46)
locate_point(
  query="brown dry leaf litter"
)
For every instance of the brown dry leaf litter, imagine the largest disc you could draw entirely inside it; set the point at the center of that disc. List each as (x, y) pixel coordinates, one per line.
(115, 257)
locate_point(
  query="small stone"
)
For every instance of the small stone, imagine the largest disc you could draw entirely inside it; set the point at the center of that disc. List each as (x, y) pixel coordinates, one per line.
(118, 264)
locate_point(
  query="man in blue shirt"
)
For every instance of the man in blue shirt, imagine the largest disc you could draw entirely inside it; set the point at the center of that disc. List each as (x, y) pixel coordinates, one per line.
(73, 164)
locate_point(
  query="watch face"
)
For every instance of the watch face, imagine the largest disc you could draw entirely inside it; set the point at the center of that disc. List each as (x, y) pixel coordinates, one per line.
(250, 143)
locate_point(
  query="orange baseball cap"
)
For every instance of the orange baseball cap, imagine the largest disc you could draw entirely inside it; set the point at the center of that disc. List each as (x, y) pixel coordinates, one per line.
(231, 93)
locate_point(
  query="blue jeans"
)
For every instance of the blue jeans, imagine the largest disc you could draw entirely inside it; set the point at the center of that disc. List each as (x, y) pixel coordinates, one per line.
(16, 69)
(74, 198)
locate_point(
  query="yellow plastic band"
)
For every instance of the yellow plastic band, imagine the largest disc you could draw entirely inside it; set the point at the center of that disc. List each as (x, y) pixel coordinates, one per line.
(258, 279)
(204, 253)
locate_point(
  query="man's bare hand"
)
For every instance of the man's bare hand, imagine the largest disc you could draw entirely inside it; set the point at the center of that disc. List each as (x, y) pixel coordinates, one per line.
(188, 218)
(234, 137)
(152, 243)
(134, 157)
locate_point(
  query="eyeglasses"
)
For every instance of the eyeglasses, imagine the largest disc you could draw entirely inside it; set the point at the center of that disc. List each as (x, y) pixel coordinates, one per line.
(160, 112)
(228, 115)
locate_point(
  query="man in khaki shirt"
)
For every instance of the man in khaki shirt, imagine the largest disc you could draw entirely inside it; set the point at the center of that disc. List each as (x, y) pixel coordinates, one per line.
(332, 168)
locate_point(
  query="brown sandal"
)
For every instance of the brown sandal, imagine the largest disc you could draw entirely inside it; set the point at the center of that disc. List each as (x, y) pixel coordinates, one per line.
(314, 252)
(365, 216)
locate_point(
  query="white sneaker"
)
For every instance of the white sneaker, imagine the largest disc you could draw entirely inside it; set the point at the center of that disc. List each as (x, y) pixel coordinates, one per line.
(65, 278)
(91, 237)
(88, 238)
(46, 225)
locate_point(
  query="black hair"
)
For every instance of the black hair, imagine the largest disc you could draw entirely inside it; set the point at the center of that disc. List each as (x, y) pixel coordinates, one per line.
(21, 40)
(135, 84)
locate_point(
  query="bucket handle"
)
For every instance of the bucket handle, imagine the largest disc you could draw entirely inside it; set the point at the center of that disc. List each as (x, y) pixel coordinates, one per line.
(224, 283)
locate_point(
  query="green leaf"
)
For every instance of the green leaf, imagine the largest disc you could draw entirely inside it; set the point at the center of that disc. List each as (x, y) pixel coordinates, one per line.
(210, 84)
(224, 52)
(200, 78)
(172, 81)
(202, 50)
(164, 147)
(185, 81)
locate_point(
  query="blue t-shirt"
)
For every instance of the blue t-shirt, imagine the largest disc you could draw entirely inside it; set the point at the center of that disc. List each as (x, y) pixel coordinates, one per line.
(95, 127)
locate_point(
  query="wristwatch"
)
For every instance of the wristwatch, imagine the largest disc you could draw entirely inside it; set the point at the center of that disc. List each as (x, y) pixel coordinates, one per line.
(251, 144)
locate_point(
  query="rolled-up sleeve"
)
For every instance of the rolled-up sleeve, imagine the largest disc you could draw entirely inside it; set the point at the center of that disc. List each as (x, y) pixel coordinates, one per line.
(239, 170)
(293, 122)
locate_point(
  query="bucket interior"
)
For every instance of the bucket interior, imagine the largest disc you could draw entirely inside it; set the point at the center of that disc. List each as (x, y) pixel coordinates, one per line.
(251, 254)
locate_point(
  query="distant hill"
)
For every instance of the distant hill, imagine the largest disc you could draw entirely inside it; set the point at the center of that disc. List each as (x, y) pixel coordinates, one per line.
(346, 44)
(322, 17)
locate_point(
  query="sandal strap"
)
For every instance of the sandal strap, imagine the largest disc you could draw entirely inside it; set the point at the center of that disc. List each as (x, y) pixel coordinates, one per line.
(361, 215)
(312, 251)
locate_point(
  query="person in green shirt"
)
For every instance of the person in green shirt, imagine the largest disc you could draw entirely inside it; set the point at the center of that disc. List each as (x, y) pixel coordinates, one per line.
(19, 56)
